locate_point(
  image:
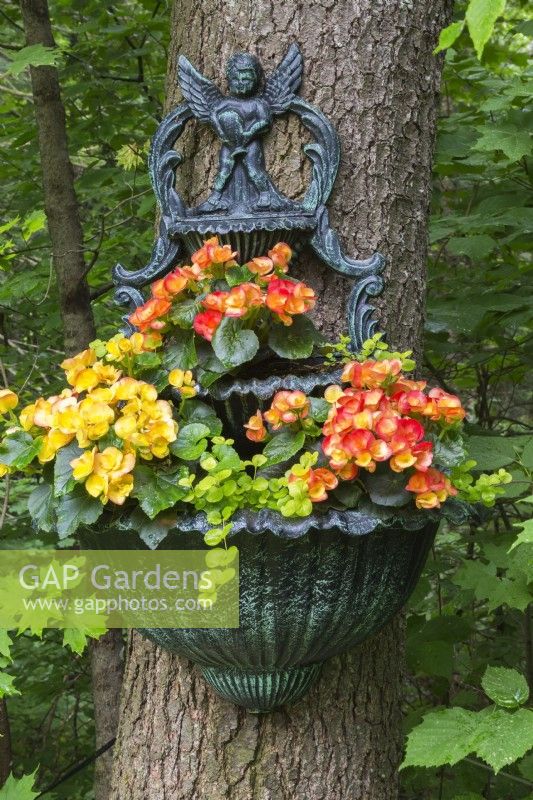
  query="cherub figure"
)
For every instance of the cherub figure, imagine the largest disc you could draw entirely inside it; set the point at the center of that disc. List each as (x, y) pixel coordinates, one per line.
(240, 121)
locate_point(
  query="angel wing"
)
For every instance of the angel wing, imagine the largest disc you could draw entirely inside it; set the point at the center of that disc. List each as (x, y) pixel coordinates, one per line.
(200, 93)
(281, 86)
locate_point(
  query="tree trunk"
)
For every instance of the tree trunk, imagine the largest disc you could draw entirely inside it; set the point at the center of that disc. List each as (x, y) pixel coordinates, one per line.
(5, 743)
(66, 234)
(60, 201)
(107, 666)
(369, 67)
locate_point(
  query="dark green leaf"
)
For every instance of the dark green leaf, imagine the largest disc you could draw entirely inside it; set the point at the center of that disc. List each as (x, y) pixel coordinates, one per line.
(19, 449)
(63, 480)
(284, 446)
(184, 312)
(41, 506)
(294, 341)
(387, 488)
(75, 510)
(190, 442)
(233, 344)
(181, 352)
(157, 490)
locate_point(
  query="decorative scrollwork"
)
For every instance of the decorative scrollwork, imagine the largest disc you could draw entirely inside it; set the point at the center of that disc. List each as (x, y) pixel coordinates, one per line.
(367, 272)
(244, 201)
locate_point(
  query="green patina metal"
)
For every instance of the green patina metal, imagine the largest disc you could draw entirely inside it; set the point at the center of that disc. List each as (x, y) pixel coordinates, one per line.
(310, 589)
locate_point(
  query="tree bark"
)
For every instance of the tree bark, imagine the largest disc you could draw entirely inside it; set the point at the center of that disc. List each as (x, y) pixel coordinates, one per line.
(5, 743)
(60, 201)
(369, 67)
(107, 666)
(66, 234)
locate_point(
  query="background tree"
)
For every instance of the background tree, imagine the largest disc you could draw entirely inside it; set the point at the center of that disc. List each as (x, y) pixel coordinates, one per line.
(370, 67)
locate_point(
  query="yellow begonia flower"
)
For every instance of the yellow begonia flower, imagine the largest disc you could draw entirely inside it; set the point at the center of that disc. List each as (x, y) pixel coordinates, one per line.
(4, 469)
(183, 381)
(83, 465)
(8, 400)
(119, 490)
(106, 473)
(52, 442)
(73, 366)
(26, 417)
(96, 418)
(120, 346)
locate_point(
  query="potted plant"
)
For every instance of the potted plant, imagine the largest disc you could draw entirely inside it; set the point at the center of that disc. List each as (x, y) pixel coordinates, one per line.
(331, 489)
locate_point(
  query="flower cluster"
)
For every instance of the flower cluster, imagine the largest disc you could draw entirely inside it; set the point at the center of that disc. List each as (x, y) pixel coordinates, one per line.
(261, 287)
(104, 402)
(379, 417)
(286, 408)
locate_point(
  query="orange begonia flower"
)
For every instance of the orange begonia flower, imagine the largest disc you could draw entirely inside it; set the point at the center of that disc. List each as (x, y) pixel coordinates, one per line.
(148, 315)
(255, 428)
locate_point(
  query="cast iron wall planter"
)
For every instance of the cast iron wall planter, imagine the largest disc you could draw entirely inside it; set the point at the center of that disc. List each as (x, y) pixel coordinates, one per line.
(309, 589)
(314, 587)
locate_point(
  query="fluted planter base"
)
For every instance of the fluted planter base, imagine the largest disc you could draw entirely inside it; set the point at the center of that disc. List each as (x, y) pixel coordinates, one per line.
(260, 692)
(309, 589)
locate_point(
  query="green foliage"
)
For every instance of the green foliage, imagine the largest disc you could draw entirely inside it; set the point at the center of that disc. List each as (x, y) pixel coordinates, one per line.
(35, 55)
(233, 344)
(480, 18)
(296, 341)
(19, 789)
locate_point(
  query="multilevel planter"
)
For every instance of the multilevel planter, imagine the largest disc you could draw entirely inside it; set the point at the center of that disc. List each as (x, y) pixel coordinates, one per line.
(309, 588)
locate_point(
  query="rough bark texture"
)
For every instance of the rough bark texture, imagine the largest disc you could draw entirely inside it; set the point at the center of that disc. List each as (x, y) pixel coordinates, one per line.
(60, 202)
(5, 743)
(369, 66)
(107, 666)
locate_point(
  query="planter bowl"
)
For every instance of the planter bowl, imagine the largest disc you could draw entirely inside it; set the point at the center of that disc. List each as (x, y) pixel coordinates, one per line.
(309, 590)
(234, 400)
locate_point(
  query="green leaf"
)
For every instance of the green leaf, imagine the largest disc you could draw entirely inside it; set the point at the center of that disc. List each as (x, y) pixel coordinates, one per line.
(320, 409)
(77, 638)
(526, 537)
(35, 55)
(191, 441)
(151, 531)
(493, 452)
(505, 687)
(5, 644)
(475, 247)
(448, 453)
(184, 312)
(294, 341)
(197, 411)
(157, 490)
(75, 510)
(513, 141)
(481, 16)
(7, 686)
(503, 737)
(526, 456)
(63, 480)
(19, 449)
(387, 488)
(444, 736)
(448, 36)
(283, 446)
(41, 506)
(234, 345)
(181, 352)
(19, 788)
(237, 275)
